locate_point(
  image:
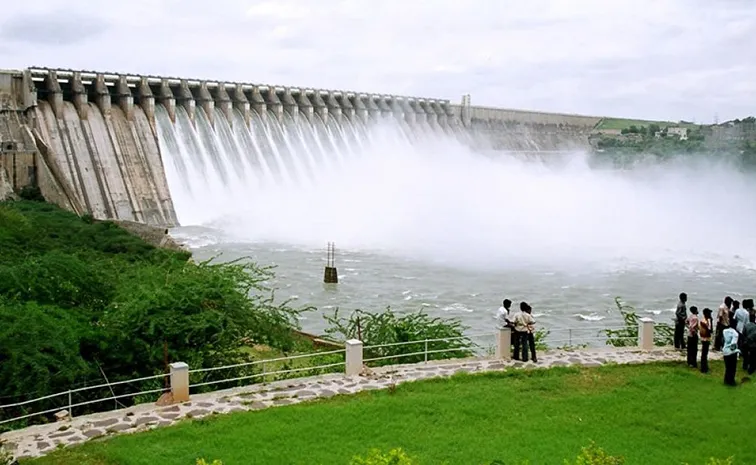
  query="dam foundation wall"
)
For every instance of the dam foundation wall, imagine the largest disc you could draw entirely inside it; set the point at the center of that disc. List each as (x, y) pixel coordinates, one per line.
(89, 140)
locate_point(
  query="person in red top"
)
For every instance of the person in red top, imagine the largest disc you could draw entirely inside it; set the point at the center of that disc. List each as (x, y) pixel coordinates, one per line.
(704, 331)
(692, 346)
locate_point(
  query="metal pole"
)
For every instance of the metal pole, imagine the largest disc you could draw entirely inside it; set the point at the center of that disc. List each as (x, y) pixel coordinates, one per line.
(70, 410)
(570, 337)
(426, 351)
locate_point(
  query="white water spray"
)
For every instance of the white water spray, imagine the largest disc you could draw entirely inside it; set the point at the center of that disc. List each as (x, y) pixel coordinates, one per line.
(421, 193)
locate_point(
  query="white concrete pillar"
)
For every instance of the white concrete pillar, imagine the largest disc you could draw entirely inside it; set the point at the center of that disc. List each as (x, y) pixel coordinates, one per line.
(353, 357)
(504, 344)
(180, 381)
(646, 333)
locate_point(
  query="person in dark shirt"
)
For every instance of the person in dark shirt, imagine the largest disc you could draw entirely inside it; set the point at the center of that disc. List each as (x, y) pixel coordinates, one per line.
(749, 344)
(680, 316)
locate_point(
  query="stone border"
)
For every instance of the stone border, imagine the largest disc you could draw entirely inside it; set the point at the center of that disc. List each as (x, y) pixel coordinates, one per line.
(39, 440)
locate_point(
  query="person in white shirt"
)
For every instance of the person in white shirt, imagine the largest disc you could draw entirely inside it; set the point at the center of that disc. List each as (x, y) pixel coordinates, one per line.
(525, 326)
(502, 316)
(505, 319)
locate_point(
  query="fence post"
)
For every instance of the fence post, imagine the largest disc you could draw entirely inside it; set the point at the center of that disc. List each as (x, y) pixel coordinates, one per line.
(353, 357)
(504, 344)
(646, 333)
(180, 381)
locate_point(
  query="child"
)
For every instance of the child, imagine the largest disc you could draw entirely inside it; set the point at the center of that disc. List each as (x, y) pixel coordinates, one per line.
(704, 330)
(692, 324)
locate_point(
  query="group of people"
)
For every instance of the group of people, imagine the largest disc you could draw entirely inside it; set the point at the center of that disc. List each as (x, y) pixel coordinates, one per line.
(522, 325)
(735, 334)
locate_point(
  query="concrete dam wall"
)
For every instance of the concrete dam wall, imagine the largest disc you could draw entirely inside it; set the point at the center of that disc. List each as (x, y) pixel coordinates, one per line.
(96, 143)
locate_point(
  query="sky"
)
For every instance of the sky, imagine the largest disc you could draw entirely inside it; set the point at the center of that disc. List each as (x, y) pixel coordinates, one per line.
(691, 60)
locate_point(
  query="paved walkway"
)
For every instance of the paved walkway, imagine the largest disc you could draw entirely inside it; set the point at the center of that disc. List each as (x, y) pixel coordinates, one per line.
(42, 439)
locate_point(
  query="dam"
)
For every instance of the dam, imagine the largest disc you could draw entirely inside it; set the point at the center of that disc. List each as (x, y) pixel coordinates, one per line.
(107, 144)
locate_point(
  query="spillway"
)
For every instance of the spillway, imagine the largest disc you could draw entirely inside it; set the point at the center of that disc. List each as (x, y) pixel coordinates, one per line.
(129, 147)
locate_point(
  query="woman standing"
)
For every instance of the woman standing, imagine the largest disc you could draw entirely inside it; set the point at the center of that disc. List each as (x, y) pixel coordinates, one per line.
(730, 352)
(704, 331)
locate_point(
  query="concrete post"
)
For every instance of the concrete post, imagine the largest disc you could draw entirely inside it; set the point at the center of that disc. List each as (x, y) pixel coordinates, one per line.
(353, 357)
(289, 104)
(223, 103)
(125, 99)
(319, 105)
(54, 93)
(347, 109)
(240, 102)
(146, 99)
(102, 98)
(185, 98)
(80, 99)
(504, 344)
(360, 107)
(206, 102)
(646, 334)
(274, 103)
(334, 108)
(180, 381)
(258, 102)
(305, 106)
(167, 99)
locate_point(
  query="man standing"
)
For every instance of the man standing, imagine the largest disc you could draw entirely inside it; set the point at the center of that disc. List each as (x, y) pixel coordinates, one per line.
(749, 344)
(525, 325)
(505, 319)
(680, 316)
(723, 322)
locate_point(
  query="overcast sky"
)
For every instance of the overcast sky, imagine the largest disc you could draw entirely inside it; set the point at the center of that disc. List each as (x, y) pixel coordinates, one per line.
(661, 59)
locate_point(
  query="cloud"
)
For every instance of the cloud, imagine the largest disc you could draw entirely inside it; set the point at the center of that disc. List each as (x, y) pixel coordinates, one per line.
(676, 59)
(51, 28)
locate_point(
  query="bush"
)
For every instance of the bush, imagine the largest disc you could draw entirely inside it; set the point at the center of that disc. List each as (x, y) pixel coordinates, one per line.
(594, 455)
(377, 329)
(83, 302)
(628, 336)
(376, 457)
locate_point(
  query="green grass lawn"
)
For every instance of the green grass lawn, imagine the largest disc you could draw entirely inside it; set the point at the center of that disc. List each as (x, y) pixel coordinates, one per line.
(650, 414)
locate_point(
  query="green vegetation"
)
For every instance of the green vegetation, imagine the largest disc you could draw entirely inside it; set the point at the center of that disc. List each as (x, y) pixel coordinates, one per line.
(624, 123)
(628, 336)
(376, 329)
(621, 123)
(648, 414)
(85, 303)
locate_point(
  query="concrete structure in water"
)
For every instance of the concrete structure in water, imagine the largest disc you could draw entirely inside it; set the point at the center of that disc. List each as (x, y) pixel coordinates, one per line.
(89, 141)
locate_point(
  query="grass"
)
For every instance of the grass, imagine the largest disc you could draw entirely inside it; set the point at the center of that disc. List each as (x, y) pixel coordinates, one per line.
(651, 414)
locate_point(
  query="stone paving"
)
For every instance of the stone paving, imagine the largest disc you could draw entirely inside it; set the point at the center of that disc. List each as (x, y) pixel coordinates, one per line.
(42, 439)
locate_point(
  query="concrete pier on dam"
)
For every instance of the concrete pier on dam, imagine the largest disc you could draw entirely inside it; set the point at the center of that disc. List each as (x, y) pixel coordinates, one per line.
(89, 140)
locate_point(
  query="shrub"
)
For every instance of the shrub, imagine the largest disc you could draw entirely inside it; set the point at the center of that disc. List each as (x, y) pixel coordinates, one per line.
(628, 336)
(594, 455)
(376, 457)
(446, 336)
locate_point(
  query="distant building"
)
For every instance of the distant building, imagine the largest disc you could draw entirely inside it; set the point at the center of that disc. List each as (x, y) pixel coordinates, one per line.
(681, 132)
